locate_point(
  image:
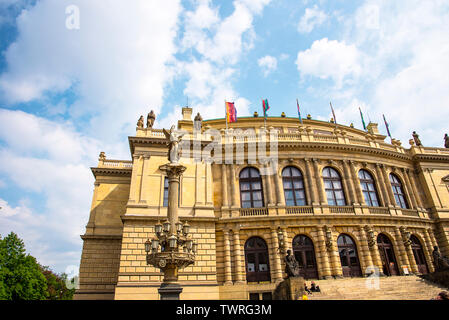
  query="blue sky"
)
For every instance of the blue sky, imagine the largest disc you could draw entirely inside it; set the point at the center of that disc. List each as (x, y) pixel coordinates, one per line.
(66, 94)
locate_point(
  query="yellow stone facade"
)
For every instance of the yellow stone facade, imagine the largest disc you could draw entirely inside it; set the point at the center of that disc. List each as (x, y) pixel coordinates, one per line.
(128, 201)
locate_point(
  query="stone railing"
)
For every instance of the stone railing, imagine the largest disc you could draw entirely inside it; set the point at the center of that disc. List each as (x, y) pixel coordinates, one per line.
(410, 212)
(342, 209)
(378, 210)
(299, 210)
(117, 164)
(246, 212)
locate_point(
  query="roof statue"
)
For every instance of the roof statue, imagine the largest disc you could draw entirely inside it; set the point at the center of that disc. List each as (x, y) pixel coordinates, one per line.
(416, 138)
(446, 141)
(140, 122)
(151, 117)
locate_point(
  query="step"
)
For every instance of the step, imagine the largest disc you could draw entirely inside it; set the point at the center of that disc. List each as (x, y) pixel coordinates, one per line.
(390, 288)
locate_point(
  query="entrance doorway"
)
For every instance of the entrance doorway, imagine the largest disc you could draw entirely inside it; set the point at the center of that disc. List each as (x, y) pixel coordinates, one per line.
(419, 255)
(257, 265)
(304, 252)
(389, 264)
(348, 256)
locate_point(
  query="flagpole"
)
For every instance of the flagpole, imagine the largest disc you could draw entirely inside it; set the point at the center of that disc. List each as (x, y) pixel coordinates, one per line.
(226, 116)
(333, 113)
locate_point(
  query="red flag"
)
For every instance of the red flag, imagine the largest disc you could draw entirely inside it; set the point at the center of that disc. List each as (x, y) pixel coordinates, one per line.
(231, 112)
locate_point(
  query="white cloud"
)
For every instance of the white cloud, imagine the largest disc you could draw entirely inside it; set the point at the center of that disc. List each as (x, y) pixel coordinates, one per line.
(49, 161)
(117, 63)
(218, 44)
(330, 59)
(268, 64)
(313, 17)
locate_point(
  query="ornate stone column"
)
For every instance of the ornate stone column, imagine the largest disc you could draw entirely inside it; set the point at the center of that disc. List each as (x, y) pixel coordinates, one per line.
(368, 261)
(355, 180)
(337, 270)
(224, 185)
(415, 189)
(144, 181)
(239, 268)
(319, 183)
(392, 200)
(383, 186)
(309, 175)
(227, 257)
(133, 196)
(326, 271)
(372, 244)
(268, 187)
(402, 253)
(408, 249)
(348, 181)
(429, 246)
(279, 188)
(173, 173)
(276, 255)
(234, 181)
(412, 192)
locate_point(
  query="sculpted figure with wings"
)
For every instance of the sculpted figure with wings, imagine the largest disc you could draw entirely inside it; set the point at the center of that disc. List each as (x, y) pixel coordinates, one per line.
(173, 137)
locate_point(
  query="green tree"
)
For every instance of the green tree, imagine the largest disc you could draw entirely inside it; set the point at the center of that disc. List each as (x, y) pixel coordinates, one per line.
(20, 275)
(56, 285)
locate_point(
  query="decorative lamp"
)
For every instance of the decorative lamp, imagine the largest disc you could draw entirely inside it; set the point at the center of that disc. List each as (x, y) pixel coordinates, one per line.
(154, 244)
(178, 226)
(172, 241)
(166, 226)
(186, 228)
(158, 228)
(147, 246)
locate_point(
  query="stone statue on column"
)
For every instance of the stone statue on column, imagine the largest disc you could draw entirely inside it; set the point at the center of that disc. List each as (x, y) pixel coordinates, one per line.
(151, 117)
(173, 138)
(446, 141)
(416, 138)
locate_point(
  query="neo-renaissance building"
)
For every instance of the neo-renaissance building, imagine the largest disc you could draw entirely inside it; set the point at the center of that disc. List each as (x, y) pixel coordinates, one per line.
(345, 202)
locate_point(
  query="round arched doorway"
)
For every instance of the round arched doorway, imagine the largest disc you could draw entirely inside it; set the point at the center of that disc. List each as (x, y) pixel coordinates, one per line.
(304, 252)
(419, 255)
(389, 264)
(256, 259)
(348, 256)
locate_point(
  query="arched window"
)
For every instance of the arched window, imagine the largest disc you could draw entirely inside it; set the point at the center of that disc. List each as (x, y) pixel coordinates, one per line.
(333, 187)
(251, 194)
(293, 187)
(256, 257)
(398, 191)
(418, 253)
(304, 252)
(386, 252)
(348, 256)
(368, 188)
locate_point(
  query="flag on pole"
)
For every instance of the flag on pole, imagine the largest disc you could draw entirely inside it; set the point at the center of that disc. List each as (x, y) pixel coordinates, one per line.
(265, 107)
(387, 126)
(231, 112)
(299, 111)
(363, 121)
(333, 113)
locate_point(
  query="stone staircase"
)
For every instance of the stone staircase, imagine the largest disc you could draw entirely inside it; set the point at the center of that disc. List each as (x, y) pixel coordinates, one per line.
(388, 288)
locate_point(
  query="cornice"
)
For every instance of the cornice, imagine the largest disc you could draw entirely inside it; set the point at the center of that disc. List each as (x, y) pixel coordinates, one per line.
(112, 172)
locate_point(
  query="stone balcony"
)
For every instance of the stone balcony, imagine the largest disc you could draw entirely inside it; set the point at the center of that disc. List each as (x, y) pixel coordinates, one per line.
(336, 211)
